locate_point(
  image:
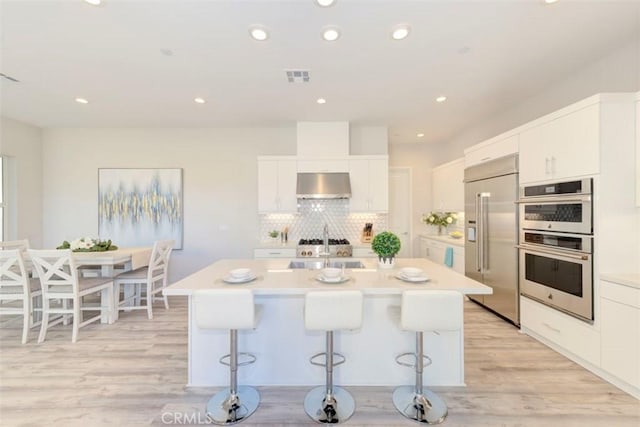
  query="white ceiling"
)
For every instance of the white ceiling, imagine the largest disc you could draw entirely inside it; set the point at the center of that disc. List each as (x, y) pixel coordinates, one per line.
(484, 56)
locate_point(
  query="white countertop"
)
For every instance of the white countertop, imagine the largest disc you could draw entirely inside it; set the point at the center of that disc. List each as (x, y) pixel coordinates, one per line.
(273, 278)
(445, 239)
(626, 279)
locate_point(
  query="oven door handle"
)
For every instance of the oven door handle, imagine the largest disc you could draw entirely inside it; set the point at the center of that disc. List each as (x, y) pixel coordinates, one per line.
(540, 200)
(583, 257)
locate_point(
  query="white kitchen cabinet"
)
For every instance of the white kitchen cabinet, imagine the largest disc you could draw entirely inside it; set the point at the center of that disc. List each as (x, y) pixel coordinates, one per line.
(638, 149)
(364, 252)
(369, 184)
(556, 328)
(323, 165)
(447, 187)
(434, 248)
(494, 148)
(620, 331)
(277, 185)
(274, 253)
(563, 147)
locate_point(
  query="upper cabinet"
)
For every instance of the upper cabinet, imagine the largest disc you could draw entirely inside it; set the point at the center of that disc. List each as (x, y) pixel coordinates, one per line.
(323, 165)
(448, 187)
(499, 146)
(638, 149)
(564, 147)
(369, 183)
(277, 185)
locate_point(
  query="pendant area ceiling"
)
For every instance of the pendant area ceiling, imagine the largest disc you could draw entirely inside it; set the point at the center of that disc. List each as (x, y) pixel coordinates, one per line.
(142, 63)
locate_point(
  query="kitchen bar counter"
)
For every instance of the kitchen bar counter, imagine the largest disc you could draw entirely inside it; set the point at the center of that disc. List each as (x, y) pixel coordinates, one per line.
(283, 346)
(445, 239)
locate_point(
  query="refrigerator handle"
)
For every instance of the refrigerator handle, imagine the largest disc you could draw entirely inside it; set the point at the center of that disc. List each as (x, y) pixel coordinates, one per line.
(482, 261)
(479, 233)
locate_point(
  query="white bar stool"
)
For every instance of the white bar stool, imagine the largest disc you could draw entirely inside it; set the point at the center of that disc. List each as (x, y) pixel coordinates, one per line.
(230, 309)
(329, 311)
(425, 311)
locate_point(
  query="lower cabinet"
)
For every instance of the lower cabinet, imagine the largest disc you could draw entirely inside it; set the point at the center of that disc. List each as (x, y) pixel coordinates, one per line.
(571, 334)
(620, 330)
(274, 253)
(435, 249)
(364, 252)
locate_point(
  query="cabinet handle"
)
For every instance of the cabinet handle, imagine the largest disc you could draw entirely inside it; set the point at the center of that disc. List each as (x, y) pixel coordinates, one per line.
(551, 327)
(484, 159)
(553, 165)
(546, 166)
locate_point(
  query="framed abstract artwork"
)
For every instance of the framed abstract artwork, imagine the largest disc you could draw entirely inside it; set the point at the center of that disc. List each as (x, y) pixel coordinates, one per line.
(136, 207)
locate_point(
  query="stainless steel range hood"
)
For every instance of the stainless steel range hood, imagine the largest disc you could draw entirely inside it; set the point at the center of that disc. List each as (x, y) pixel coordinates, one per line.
(323, 185)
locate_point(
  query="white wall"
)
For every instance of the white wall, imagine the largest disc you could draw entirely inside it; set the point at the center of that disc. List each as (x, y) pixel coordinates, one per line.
(617, 72)
(219, 188)
(22, 143)
(417, 157)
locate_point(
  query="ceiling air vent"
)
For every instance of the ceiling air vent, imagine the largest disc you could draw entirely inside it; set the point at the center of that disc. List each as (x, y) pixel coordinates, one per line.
(297, 76)
(9, 78)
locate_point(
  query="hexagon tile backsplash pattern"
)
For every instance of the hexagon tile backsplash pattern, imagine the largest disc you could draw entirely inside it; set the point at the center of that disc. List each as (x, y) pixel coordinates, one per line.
(311, 217)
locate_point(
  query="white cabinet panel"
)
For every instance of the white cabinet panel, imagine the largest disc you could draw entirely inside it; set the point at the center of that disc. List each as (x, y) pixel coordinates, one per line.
(620, 330)
(569, 333)
(369, 185)
(323, 165)
(486, 151)
(277, 186)
(448, 187)
(274, 253)
(435, 250)
(566, 147)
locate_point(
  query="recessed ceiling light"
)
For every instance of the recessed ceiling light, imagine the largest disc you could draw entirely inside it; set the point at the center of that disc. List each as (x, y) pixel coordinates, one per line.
(325, 3)
(420, 135)
(400, 32)
(550, 1)
(331, 33)
(82, 101)
(321, 101)
(258, 33)
(93, 2)
(199, 101)
(441, 99)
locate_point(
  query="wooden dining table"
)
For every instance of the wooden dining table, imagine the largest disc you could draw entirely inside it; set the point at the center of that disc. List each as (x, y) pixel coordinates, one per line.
(129, 258)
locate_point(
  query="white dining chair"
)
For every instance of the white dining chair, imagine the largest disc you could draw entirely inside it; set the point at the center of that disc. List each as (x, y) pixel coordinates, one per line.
(16, 286)
(151, 279)
(22, 244)
(59, 280)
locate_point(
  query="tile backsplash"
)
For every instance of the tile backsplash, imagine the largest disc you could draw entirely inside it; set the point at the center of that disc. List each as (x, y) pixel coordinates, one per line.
(311, 217)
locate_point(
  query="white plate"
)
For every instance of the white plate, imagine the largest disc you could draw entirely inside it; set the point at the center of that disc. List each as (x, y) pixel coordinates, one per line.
(417, 279)
(341, 279)
(234, 280)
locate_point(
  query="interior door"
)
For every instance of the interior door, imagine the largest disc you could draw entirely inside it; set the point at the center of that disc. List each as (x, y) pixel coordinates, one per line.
(400, 208)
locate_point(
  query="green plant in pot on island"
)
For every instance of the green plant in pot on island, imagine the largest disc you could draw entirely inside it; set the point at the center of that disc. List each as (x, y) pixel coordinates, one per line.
(386, 245)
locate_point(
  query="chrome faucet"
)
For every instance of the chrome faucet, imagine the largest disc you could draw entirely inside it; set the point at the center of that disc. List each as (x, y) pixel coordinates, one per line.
(325, 240)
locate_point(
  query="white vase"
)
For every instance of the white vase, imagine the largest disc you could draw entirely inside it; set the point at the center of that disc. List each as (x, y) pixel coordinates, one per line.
(387, 262)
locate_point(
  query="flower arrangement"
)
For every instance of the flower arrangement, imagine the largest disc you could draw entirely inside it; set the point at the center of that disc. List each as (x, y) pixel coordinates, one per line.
(88, 244)
(441, 219)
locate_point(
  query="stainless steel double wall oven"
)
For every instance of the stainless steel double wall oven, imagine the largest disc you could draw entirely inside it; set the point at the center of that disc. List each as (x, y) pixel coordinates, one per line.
(556, 245)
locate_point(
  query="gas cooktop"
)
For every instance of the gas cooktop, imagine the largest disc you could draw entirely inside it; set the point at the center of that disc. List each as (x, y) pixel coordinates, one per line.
(315, 248)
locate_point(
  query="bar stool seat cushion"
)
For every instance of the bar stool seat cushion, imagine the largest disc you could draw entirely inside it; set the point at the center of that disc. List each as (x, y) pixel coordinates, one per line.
(431, 310)
(333, 310)
(225, 309)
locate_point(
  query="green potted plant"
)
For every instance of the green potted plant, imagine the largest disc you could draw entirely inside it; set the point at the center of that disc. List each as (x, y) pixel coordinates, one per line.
(386, 245)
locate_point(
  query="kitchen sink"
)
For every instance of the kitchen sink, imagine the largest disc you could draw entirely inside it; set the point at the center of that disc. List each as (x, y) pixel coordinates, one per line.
(317, 265)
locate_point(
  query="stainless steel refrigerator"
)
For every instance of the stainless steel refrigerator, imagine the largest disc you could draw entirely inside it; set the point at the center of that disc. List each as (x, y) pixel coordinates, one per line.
(491, 233)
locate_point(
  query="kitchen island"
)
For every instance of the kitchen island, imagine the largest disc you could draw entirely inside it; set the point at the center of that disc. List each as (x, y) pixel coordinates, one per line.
(283, 346)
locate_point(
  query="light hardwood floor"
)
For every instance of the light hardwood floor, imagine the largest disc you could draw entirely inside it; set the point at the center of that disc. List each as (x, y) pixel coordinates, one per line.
(133, 373)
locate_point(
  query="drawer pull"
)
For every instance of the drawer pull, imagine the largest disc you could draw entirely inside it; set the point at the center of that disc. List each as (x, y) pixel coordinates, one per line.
(551, 327)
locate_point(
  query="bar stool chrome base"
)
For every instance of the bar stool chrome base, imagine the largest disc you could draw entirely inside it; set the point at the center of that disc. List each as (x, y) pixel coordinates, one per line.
(224, 410)
(337, 409)
(427, 408)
